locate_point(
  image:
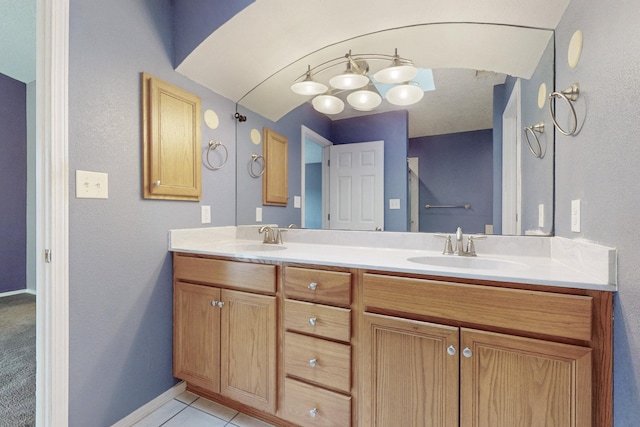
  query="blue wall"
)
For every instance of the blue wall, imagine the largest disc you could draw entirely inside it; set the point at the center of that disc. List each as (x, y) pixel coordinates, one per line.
(455, 169)
(393, 129)
(250, 189)
(13, 190)
(120, 290)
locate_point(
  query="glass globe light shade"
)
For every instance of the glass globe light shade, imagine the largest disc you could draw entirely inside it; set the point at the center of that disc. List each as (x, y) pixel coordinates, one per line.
(396, 74)
(308, 87)
(364, 100)
(405, 94)
(328, 104)
(348, 81)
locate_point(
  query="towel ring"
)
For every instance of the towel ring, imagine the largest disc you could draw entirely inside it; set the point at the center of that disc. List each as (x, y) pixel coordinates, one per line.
(254, 159)
(539, 128)
(569, 95)
(212, 146)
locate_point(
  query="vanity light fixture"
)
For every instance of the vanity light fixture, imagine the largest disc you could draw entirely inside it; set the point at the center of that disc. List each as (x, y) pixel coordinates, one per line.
(400, 72)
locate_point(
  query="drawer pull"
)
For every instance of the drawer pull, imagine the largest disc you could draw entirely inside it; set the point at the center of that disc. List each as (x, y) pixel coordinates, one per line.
(313, 363)
(313, 286)
(467, 352)
(313, 412)
(312, 321)
(451, 350)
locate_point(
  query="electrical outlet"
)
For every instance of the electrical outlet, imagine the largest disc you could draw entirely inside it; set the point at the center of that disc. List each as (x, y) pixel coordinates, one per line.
(205, 214)
(92, 185)
(394, 203)
(258, 214)
(575, 216)
(297, 201)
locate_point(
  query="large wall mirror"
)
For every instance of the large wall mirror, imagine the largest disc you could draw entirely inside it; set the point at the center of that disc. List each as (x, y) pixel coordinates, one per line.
(459, 157)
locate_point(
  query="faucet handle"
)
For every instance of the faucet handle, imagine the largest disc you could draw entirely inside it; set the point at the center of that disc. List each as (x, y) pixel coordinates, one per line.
(471, 247)
(448, 247)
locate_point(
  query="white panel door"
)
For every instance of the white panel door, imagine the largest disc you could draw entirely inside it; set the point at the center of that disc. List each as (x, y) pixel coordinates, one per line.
(357, 186)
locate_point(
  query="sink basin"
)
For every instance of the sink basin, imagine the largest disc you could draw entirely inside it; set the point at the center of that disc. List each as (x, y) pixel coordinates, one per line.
(467, 262)
(254, 247)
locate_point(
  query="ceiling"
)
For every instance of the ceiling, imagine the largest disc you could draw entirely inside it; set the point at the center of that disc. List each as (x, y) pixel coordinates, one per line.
(18, 39)
(265, 47)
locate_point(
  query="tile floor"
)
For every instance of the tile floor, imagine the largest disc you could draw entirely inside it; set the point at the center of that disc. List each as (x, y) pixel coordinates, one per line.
(190, 410)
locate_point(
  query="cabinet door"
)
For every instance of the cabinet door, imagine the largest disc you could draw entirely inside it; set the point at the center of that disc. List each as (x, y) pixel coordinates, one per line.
(196, 335)
(508, 381)
(248, 372)
(409, 377)
(275, 181)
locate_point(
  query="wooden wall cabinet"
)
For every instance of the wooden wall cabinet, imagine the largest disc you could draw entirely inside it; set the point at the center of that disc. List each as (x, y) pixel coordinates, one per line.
(275, 180)
(170, 141)
(225, 339)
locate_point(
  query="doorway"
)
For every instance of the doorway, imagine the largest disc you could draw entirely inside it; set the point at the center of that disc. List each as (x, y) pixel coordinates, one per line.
(314, 177)
(511, 164)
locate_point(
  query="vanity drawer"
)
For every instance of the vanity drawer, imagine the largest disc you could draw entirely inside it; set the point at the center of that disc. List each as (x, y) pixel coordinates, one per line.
(315, 319)
(323, 286)
(546, 313)
(307, 405)
(239, 275)
(319, 361)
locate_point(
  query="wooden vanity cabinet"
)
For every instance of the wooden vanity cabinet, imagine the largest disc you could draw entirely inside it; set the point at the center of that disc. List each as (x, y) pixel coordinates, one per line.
(317, 347)
(496, 356)
(225, 339)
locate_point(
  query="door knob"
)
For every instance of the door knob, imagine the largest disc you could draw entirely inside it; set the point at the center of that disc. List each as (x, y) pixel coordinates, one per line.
(451, 350)
(467, 352)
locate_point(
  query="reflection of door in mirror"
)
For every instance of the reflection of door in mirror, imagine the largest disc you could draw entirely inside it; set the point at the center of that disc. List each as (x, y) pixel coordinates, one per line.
(414, 187)
(314, 179)
(511, 165)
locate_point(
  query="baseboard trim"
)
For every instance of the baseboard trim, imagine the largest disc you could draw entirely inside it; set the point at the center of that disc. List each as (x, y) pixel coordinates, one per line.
(156, 403)
(18, 292)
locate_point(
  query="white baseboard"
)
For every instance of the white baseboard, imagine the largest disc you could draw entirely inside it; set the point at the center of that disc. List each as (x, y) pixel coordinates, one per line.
(150, 407)
(19, 291)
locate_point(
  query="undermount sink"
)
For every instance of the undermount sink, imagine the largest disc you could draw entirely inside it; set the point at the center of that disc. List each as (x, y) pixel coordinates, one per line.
(467, 262)
(254, 247)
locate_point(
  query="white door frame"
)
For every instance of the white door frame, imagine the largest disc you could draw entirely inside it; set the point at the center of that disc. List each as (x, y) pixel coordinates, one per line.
(413, 173)
(305, 133)
(52, 217)
(511, 164)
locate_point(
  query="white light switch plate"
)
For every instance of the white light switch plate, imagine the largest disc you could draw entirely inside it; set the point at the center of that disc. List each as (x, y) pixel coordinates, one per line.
(575, 216)
(394, 203)
(258, 214)
(92, 185)
(296, 201)
(205, 214)
(541, 215)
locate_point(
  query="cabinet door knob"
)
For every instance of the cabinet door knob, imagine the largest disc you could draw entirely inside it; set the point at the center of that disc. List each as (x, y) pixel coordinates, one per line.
(467, 352)
(313, 363)
(313, 412)
(157, 183)
(313, 286)
(220, 304)
(214, 303)
(312, 321)
(451, 350)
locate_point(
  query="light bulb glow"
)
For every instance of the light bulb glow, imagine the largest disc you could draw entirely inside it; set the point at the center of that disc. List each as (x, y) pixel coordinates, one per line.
(405, 94)
(364, 100)
(328, 104)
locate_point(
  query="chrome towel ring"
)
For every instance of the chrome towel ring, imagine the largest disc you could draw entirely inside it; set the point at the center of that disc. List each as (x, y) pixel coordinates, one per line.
(254, 159)
(569, 95)
(213, 145)
(539, 128)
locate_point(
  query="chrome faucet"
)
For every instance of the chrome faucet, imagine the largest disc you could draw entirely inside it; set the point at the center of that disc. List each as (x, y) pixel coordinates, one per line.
(460, 248)
(271, 236)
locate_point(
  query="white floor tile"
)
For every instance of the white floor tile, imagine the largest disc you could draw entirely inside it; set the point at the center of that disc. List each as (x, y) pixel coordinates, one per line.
(161, 414)
(192, 417)
(187, 397)
(242, 420)
(214, 409)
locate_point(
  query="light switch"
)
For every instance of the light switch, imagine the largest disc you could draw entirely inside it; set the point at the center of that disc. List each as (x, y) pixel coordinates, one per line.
(258, 214)
(575, 216)
(205, 214)
(541, 215)
(92, 185)
(296, 202)
(394, 203)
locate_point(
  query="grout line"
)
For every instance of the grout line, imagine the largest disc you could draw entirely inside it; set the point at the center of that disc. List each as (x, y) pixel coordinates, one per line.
(174, 415)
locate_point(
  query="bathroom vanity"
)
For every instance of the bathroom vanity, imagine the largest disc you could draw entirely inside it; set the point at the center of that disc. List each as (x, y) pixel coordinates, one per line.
(364, 332)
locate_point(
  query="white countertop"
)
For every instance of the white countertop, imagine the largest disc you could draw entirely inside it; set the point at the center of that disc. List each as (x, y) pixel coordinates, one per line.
(550, 261)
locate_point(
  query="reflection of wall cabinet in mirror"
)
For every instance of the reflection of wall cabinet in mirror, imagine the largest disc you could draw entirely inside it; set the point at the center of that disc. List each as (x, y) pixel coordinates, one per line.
(171, 141)
(275, 181)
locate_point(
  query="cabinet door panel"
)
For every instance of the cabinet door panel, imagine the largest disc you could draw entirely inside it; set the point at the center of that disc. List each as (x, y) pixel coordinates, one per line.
(248, 372)
(510, 381)
(196, 335)
(409, 379)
